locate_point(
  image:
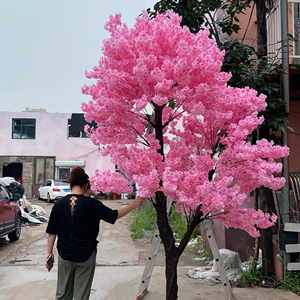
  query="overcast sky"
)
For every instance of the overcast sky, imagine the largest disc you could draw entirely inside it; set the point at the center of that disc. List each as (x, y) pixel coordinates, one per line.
(46, 46)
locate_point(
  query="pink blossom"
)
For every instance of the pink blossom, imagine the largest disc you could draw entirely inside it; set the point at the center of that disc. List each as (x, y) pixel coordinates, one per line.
(107, 182)
(204, 158)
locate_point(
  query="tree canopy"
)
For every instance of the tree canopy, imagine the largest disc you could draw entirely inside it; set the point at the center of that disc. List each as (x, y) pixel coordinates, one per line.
(198, 152)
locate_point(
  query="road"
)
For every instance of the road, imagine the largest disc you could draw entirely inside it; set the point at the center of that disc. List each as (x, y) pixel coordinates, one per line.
(22, 267)
(120, 265)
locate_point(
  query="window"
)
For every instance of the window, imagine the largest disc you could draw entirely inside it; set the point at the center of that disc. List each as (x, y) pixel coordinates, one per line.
(77, 133)
(60, 183)
(76, 126)
(44, 169)
(63, 173)
(47, 183)
(3, 194)
(23, 128)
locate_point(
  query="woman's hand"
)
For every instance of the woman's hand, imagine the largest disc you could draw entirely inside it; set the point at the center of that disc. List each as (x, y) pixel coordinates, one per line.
(47, 256)
(135, 204)
(51, 240)
(138, 202)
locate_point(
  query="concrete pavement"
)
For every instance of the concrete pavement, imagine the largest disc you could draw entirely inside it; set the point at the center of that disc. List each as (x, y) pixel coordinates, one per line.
(120, 265)
(122, 283)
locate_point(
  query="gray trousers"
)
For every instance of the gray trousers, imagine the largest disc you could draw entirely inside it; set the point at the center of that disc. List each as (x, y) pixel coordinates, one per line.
(75, 279)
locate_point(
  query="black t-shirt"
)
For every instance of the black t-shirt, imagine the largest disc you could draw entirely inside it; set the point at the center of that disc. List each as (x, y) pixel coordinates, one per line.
(75, 220)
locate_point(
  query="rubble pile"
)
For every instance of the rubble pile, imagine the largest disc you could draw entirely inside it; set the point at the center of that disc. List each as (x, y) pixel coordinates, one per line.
(32, 214)
(14, 187)
(231, 262)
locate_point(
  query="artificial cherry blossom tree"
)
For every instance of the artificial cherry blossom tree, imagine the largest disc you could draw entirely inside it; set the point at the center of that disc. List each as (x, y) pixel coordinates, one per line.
(197, 150)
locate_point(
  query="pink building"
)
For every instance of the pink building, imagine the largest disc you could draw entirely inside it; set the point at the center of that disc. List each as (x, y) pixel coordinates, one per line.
(37, 145)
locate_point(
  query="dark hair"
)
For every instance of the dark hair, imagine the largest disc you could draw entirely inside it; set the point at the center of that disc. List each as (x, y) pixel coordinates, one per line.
(78, 177)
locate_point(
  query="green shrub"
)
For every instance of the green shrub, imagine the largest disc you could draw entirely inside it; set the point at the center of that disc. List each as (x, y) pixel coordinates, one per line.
(292, 281)
(178, 224)
(203, 250)
(144, 219)
(251, 275)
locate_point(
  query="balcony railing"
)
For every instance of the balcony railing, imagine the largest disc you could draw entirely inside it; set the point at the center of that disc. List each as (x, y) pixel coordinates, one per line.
(274, 30)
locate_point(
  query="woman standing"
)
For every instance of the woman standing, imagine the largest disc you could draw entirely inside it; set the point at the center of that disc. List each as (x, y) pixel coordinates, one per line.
(75, 221)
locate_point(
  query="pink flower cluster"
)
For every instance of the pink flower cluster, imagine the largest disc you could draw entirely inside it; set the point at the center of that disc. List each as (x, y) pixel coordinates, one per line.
(107, 182)
(246, 219)
(205, 158)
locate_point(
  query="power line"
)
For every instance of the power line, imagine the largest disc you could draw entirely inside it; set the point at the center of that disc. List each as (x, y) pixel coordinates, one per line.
(279, 42)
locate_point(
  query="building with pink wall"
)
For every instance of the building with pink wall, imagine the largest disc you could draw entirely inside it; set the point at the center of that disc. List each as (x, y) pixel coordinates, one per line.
(37, 145)
(230, 238)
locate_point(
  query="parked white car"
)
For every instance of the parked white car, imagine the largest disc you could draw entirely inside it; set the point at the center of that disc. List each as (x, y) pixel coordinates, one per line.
(53, 190)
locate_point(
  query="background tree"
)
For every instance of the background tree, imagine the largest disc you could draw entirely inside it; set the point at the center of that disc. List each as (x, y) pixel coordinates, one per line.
(198, 151)
(217, 15)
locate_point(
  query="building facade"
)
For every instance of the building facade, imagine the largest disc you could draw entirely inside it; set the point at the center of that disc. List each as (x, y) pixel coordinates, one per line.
(36, 146)
(248, 35)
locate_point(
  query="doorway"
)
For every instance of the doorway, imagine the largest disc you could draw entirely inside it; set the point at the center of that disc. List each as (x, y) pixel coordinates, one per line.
(13, 170)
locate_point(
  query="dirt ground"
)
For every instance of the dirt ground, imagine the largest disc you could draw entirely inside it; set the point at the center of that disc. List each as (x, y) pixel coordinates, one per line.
(120, 265)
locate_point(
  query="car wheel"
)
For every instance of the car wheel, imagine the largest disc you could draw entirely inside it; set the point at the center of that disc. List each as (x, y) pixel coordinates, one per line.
(48, 198)
(16, 234)
(39, 196)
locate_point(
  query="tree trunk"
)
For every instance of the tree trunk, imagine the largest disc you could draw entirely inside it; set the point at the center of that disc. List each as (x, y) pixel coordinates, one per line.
(257, 240)
(261, 28)
(172, 253)
(266, 242)
(266, 234)
(171, 274)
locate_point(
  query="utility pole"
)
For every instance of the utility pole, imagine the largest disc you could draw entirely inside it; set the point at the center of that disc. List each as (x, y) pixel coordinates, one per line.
(265, 194)
(286, 97)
